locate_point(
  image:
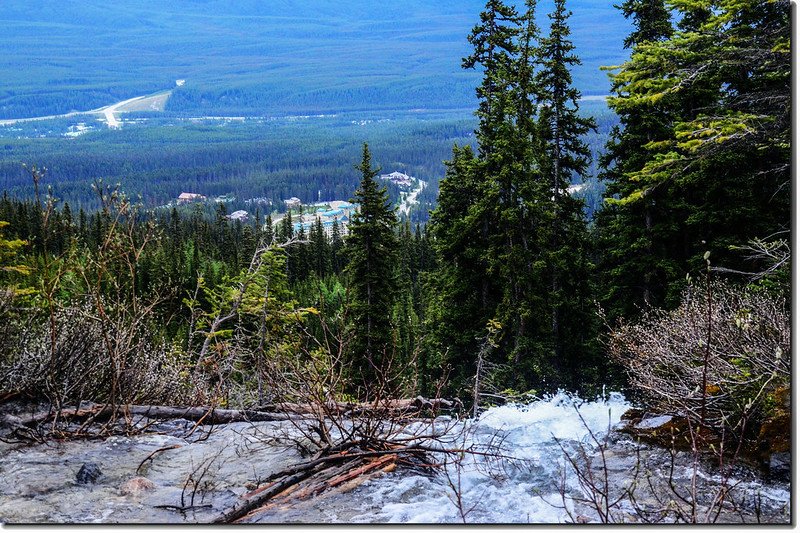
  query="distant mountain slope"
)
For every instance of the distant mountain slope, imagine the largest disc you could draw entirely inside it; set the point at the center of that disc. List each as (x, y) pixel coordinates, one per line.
(261, 57)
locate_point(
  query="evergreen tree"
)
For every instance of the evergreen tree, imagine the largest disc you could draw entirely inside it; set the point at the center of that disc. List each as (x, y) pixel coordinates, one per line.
(337, 244)
(460, 309)
(299, 252)
(512, 242)
(82, 226)
(66, 229)
(651, 20)
(709, 170)
(633, 272)
(269, 231)
(475, 198)
(494, 45)
(372, 252)
(320, 254)
(286, 228)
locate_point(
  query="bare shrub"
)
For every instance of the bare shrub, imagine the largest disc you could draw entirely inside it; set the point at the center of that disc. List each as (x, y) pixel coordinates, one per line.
(88, 358)
(14, 322)
(714, 359)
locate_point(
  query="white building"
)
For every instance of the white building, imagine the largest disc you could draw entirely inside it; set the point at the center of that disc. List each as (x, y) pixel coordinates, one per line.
(186, 197)
(398, 178)
(293, 203)
(239, 215)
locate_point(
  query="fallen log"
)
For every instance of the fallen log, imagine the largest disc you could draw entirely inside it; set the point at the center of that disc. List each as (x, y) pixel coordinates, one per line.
(393, 406)
(288, 479)
(260, 496)
(8, 396)
(266, 413)
(370, 466)
(327, 479)
(204, 415)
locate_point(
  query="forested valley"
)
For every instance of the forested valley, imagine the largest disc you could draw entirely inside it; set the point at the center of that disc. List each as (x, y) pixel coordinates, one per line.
(503, 286)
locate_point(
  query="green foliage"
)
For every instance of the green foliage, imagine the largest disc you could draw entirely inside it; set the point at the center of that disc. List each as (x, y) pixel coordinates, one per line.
(512, 242)
(262, 161)
(371, 247)
(9, 250)
(651, 20)
(700, 160)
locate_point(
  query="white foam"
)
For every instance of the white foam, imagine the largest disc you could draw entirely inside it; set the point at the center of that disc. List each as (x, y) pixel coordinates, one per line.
(520, 487)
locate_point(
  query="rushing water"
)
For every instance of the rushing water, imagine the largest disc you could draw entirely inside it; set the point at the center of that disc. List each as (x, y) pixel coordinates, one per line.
(513, 468)
(523, 484)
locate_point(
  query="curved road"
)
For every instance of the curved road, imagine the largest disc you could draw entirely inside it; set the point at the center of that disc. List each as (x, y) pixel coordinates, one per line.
(107, 111)
(411, 198)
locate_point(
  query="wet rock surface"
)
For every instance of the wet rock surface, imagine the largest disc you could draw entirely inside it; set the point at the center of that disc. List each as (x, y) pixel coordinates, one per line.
(780, 466)
(89, 473)
(221, 462)
(184, 474)
(136, 486)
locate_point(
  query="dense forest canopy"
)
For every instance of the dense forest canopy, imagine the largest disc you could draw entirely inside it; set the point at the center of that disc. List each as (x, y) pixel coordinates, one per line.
(308, 158)
(387, 75)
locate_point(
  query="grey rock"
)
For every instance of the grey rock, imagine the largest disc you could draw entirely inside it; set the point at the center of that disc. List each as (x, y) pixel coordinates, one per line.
(654, 422)
(10, 421)
(780, 466)
(136, 486)
(89, 473)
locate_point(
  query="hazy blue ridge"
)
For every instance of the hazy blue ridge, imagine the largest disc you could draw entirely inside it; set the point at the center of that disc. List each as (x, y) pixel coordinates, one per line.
(247, 57)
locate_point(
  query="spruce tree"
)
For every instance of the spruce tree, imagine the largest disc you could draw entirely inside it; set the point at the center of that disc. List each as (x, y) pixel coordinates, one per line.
(511, 242)
(494, 44)
(320, 254)
(286, 228)
(459, 310)
(715, 176)
(632, 273)
(651, 20)
(565, 156)
(337, 244)
(476, 198)
(268, 234)
(372, 252)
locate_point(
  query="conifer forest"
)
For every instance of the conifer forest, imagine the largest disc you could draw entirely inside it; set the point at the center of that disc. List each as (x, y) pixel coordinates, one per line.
(621, 269)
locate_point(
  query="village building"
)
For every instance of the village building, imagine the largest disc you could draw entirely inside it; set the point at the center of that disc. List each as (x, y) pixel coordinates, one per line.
(398, 178)
(186, 197)
(293, 203)
(239, 215)
(336, 211)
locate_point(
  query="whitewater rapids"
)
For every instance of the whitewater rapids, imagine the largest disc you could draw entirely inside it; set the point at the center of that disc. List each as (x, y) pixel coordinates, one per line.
(523, 485)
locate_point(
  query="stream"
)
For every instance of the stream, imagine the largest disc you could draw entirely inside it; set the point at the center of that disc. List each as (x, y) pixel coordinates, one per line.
(514, 469)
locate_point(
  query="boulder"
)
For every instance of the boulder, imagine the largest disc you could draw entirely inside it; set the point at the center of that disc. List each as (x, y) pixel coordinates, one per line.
(780, 466)
(10, 421)
(136, 486)
(89, 473)
(654, 422)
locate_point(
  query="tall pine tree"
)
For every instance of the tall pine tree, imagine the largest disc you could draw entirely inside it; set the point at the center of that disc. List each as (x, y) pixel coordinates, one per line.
(565, 156)
(512, 242)
(372, 253)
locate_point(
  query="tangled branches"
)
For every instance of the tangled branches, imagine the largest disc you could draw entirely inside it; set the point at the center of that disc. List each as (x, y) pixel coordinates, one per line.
(714, 359)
